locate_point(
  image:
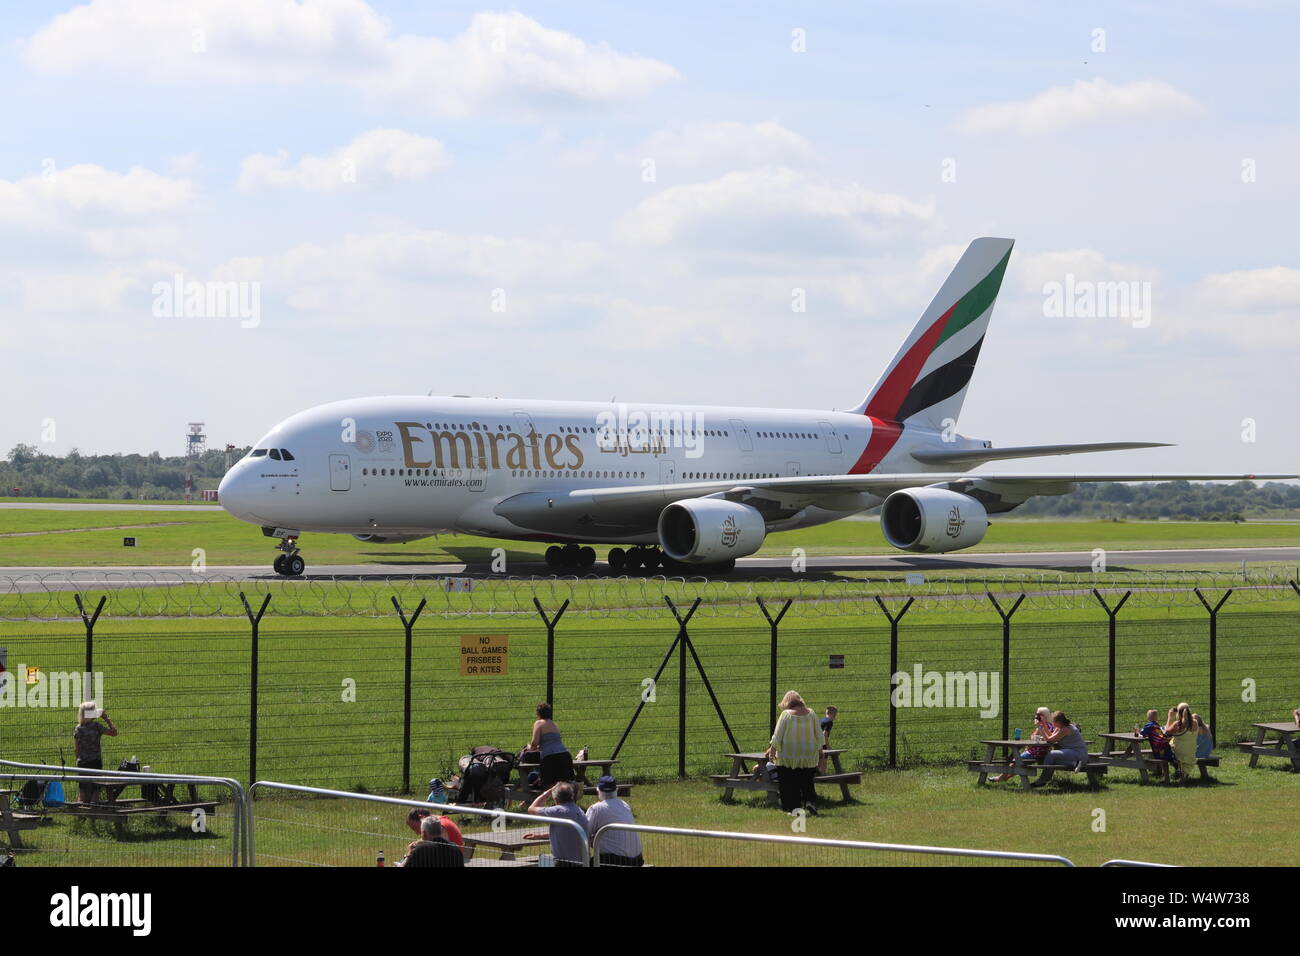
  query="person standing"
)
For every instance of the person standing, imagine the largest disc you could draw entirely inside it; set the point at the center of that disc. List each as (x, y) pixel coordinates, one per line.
(796, 749)
(557, 762)
(621, 847)
(86, 741)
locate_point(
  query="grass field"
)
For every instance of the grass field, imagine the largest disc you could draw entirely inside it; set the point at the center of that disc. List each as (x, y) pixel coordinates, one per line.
(168, 538)
(1200, 824)
(330, 691)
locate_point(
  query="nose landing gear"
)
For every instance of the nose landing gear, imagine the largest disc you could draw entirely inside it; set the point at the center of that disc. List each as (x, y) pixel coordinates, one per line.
(290, 563)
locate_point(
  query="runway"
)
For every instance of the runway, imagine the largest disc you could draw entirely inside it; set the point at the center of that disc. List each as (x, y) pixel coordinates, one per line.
(25, 579)
(88, 506)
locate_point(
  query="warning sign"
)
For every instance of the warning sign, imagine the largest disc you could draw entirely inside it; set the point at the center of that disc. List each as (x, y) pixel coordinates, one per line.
(484, 654)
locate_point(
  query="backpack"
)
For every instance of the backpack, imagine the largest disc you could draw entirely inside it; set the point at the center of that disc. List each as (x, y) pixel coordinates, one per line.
(485, 771)
(31, 795)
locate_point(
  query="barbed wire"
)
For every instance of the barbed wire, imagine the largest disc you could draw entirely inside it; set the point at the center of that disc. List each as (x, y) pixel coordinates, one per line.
(50, 595)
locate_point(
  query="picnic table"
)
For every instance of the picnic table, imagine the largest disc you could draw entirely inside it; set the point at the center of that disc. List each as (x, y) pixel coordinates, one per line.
(520, 791)
(1286, 743)
(1011, 761)
(508, 842)
(111, 805)
(741, 779)
(1125, 750)
(13, 822)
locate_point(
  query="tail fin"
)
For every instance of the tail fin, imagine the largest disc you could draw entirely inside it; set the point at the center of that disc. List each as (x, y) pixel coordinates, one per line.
(927, 380)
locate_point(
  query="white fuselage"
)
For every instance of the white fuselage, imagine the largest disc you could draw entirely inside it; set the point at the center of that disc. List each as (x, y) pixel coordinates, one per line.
(416, 465)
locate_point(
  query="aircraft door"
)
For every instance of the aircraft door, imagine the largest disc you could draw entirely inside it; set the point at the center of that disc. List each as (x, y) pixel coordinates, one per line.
(832, 439)
(742, 434)
(667, 473)
(340, 473)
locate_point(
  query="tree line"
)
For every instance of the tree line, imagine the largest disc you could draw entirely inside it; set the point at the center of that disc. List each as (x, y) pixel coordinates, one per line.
(31, 473)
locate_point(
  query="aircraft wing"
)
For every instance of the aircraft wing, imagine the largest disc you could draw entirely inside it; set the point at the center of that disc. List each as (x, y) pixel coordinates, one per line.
(603, 512)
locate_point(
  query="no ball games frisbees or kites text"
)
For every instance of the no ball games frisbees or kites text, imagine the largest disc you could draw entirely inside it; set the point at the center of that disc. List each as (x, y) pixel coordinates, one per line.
(484, 654)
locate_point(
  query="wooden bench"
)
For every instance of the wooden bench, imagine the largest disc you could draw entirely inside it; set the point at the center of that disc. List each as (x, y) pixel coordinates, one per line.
(123, 810)
(1286, 744)
(13, 822)
(729, 783)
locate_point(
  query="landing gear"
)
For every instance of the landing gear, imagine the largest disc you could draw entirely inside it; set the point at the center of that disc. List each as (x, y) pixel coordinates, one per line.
(290, 563)
(635, 559)
(571, 557)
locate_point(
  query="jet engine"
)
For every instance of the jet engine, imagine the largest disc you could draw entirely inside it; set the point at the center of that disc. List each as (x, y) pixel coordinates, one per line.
(932, 520)
(708, 530)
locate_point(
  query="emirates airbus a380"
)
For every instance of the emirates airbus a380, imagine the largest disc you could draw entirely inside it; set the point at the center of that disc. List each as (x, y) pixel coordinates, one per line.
(672, 486)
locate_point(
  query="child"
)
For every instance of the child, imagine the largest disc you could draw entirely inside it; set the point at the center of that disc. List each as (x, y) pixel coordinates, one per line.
(828, 723)
(1155, 734)
(1204, 739)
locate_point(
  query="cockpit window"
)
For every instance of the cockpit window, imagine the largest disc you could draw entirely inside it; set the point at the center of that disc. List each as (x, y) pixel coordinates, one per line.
(284, 453)
(258, 453)
(275, 453)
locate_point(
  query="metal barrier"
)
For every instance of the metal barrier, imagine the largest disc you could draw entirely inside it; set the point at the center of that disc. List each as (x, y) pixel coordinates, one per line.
(815, 841)
(1170, 866)
(19, 773)
(443, 808)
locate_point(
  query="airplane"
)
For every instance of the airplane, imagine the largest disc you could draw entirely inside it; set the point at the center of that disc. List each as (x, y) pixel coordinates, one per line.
(677, 487)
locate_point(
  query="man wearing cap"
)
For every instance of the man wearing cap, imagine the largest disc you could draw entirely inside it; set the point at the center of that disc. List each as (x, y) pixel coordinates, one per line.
(618, 847)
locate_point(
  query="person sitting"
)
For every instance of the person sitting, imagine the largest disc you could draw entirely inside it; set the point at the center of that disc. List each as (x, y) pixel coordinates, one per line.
(1182, 734)
(619, 847)
(567, 847)
(1204, 737)
(450, 830)
(1036, 750)
(433, 849)
(828, 724)
(1160, 750)
(1071, 751)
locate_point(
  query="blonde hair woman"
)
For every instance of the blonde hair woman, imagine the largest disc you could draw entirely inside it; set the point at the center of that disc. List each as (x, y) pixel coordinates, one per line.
(1182, 731)
(796, 749)
(85, 739)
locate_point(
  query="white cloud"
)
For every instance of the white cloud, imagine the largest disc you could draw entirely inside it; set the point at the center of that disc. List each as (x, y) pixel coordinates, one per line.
(87, 188)
(1087, 101)
(1249, 308)
(501, 59)
(727, 143)
(773, 210)
(379, 156)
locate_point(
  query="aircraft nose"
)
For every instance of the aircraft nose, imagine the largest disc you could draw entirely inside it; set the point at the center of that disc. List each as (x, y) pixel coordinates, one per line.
(235, 494)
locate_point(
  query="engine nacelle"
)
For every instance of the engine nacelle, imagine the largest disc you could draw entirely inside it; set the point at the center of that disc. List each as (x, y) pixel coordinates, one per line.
(705, 530)
(389, 538)
(932, 520)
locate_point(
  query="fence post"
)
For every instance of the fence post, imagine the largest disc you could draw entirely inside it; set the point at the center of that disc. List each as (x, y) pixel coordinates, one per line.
(682, 640)
(1006, 659)
(90, 632)
(1214, 652)
(773, 623)
(1110, 613)
(550, 623)
(893, 669)
(254, 620)
(406, 694)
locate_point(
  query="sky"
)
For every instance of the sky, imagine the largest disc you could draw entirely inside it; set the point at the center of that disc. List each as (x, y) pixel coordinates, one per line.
(727, 203)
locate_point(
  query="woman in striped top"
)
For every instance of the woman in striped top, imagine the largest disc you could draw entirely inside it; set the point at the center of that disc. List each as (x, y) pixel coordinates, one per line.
(796, 749)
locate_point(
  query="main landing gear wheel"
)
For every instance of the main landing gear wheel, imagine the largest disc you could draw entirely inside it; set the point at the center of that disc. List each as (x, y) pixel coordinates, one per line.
(570, 557)
(617, 560)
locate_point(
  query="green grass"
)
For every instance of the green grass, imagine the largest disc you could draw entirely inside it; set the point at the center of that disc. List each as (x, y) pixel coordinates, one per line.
(227, 541)
(1243, 818)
